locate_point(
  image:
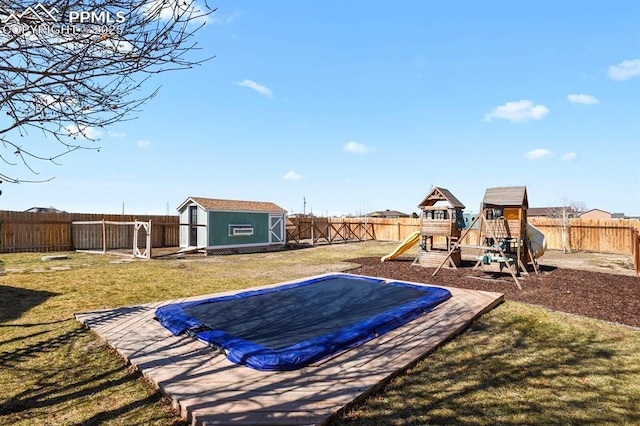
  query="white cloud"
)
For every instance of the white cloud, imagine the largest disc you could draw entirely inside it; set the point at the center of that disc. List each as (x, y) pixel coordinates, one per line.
(116, 135)
(519, 111)
(625, 70)
(263, 90)
(356, 148)
(538, 154)
(83, 132)
(217, 18)
(582, 99)
(569, 156)
(167, 10)
(42, 102)
(114, 45)
(143, 143)
(291, 175)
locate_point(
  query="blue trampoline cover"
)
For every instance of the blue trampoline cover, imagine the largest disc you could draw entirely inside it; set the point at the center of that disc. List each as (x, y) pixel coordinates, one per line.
(294, 325)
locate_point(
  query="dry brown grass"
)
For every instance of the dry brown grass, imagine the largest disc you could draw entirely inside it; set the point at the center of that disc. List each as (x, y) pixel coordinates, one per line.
(53, 371)
(516, 365)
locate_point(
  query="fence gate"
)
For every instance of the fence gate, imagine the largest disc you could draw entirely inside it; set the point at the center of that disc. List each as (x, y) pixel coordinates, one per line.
(144, 228)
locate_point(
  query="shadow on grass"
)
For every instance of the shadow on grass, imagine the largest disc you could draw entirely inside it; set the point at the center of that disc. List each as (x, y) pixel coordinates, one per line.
(72, 380)
(116, 413)
(16, 301)
(514, 369)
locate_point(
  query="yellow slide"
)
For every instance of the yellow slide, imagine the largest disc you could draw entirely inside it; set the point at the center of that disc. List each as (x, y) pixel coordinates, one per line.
(408, 242)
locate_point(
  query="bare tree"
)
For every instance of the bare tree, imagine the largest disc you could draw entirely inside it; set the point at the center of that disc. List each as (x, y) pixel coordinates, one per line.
(564, 215)
(74, 66)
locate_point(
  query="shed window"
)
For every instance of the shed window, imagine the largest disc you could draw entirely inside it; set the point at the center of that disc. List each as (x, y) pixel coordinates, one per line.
(240, 230)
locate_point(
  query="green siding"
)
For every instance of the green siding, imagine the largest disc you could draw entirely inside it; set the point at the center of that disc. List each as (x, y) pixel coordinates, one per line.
(219, 228)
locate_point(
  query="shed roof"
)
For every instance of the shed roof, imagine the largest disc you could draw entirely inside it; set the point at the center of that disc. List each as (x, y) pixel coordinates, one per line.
(441, 194)
(234, 205)
(506, 196)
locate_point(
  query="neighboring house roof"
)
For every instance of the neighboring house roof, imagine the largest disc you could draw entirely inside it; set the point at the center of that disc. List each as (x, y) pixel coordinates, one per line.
(595, 210)
(507, 196)
(44, 210)
(551, 211)
(234, 205)
(441, 194)
(618, 216)
(388, 213)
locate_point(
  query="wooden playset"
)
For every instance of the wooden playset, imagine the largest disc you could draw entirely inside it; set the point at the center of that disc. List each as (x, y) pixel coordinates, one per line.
(503, 238)
(441, 224)
(503, 235)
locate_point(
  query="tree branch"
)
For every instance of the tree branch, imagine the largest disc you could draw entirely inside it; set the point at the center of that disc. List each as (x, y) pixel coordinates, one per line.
(65, 83)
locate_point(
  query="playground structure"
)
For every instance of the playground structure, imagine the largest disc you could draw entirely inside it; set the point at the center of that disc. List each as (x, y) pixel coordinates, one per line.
(441, 225)
(504, 238)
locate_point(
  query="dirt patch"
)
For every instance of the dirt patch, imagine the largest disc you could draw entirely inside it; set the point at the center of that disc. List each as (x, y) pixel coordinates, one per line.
(586, 261)
(605, 296)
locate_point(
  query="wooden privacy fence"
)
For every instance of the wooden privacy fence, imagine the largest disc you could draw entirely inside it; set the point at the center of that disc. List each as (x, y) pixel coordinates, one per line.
(597, 235)
(47, 232)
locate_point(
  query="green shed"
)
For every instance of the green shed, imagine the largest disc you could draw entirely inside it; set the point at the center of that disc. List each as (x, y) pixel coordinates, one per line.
(210, 223)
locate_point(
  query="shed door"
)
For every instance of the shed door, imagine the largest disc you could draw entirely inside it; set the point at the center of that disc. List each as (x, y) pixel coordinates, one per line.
(193, 226)
(276, 228)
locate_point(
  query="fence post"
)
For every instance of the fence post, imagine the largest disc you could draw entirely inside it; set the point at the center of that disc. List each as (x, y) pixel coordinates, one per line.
(635, 249)
(313, 238)
(104, 236)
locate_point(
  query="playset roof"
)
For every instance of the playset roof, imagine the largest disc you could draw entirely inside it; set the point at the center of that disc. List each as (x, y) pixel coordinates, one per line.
(441, 194)
(506, 196)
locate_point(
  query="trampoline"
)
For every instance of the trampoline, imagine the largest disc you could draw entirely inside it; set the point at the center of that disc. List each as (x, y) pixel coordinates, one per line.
(296, 324)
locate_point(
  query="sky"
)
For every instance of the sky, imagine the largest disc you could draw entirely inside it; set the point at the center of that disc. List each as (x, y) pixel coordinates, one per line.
(357, 106)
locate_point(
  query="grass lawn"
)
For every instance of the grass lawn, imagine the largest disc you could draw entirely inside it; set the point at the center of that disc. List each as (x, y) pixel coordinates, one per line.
(516, 365)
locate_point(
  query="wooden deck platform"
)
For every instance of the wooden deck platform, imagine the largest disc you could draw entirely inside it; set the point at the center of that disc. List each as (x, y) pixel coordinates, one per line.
(208, 389)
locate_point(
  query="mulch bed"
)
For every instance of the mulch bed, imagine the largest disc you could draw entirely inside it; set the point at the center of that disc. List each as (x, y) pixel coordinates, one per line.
(608, 297)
